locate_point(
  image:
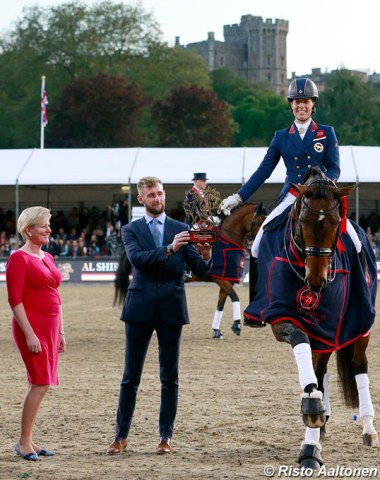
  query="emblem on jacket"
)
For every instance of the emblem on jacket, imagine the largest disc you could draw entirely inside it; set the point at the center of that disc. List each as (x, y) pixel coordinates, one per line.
(318, 147)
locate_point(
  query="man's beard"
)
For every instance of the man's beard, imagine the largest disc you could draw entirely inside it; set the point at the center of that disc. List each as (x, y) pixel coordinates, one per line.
(155, 210)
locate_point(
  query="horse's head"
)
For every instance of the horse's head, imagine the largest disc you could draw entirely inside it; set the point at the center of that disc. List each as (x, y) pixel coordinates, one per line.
(318, 216)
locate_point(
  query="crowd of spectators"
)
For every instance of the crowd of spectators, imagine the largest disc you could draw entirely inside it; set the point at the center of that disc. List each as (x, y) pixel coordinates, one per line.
(80, 233)
(84, 232)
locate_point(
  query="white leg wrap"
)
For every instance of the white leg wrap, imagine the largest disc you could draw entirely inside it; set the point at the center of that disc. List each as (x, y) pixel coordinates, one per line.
(312, 435)
(365, 402)
(236, 312)
(217, 319)
(326, 394)
(302, 354)
(354, 236)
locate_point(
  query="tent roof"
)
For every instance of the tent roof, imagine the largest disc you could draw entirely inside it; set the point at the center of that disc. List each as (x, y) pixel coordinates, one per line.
(104, 166)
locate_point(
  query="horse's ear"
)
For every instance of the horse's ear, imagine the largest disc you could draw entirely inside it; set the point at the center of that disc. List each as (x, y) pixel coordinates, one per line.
(302, 189)
(345, 191)
(260, 210)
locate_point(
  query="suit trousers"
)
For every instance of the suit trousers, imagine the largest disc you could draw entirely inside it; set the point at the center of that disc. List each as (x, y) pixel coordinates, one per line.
(138, 336)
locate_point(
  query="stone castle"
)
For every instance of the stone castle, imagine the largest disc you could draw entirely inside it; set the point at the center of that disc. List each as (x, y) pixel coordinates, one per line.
(255, 50)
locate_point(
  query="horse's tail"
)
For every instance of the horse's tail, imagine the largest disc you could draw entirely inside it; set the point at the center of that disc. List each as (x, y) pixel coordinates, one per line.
(344, 360)
(122, 279)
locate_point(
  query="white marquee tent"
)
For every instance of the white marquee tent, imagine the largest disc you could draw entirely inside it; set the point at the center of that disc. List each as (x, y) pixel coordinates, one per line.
(175, 166)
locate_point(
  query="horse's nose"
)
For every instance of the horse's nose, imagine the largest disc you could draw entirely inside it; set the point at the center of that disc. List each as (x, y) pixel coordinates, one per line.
(315, 282)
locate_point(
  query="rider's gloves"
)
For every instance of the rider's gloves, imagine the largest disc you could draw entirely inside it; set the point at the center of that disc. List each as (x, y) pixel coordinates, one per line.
(229, 203)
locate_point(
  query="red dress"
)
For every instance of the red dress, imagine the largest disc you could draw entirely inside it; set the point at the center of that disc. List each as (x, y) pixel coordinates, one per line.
(35, 283)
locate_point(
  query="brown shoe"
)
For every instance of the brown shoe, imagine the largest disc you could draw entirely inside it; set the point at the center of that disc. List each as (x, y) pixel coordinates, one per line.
(117, 447)
(164, 446)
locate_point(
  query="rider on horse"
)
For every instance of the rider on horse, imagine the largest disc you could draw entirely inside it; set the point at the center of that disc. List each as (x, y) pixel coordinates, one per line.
(303, 145)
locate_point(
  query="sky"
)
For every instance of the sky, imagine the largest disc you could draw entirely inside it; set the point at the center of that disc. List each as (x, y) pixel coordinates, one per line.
(326, 34)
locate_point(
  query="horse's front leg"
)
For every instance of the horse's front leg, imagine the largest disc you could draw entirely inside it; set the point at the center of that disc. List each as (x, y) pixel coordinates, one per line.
(312, 408)
(366, 410)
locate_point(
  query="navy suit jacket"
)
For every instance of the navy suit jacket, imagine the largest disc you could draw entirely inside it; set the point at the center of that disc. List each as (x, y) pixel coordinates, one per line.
(318, 148)
(157, 285)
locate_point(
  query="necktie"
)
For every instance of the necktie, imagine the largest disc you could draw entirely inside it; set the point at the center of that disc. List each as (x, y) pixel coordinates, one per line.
(155, 232)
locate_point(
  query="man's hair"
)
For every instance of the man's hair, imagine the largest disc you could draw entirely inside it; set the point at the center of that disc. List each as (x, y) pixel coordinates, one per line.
(147, 182)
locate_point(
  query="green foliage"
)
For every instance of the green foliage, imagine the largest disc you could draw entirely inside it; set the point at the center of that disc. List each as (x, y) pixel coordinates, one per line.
(229, 87)
(97, 112)
(193, 117)
(73, 41)
(165, 68)
(258, 117)
(352, 107)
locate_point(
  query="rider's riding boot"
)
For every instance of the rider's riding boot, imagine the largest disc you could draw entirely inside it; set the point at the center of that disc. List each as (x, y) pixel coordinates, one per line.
(363, 261)
(253, 276)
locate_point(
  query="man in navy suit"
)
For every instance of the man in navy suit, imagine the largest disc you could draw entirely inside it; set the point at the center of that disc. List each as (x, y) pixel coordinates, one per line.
(156, 301)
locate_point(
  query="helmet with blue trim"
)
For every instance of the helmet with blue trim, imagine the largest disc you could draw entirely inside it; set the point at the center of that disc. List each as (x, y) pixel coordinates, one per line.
(302, 88)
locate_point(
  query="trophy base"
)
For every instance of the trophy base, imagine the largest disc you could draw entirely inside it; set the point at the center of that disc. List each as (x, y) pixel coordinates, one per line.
(203, 236)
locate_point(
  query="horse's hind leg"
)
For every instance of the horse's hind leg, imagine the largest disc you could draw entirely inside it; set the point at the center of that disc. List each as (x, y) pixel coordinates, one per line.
(218, 315)
(236, 311)
(320, 361)
(366, 410)
(227, 290)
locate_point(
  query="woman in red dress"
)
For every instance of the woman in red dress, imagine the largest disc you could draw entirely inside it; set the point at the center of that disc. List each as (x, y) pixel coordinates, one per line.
(32, 283)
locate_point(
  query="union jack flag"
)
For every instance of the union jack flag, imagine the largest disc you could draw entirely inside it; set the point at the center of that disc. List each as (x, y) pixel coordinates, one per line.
(44, 104)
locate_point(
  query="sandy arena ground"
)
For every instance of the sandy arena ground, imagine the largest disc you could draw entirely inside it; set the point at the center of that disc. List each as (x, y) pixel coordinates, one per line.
(239, 406)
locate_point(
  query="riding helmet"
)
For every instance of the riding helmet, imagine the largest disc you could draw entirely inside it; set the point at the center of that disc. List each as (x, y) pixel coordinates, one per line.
(302, 88)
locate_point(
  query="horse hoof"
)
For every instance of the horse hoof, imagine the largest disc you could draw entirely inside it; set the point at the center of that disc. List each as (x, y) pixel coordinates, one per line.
(236, 328)
(371, 440)
(313, 410)
(218, 334)
(310, 456)
(248, 322)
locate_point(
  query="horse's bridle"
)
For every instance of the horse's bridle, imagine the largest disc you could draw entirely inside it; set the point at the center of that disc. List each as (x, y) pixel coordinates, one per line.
(314, 251)
(306, 250)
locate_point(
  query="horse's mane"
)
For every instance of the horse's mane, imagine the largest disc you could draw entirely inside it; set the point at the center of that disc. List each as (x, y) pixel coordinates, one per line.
(235, 209)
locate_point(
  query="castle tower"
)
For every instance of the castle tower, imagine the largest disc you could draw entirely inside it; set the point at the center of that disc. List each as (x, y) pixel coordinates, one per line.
(255, 50)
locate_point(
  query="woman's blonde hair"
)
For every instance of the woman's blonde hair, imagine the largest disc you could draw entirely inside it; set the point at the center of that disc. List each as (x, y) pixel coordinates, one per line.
(30, 217)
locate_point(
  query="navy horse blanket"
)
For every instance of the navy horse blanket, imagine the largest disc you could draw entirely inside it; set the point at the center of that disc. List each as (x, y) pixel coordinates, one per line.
(227, 260)
(342, 312)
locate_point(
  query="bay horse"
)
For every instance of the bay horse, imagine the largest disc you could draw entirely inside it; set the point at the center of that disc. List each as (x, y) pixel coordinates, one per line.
(319, 297)
(235, 233)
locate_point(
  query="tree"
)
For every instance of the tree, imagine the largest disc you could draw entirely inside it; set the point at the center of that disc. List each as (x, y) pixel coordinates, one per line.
(352, 107)
(258, 117)
(193, 117)
(100, 111)
(74, 41)
(229, 87)
(81, 39)
(165, 68)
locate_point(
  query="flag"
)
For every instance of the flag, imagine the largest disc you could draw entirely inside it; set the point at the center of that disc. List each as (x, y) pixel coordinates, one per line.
(44, 104)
